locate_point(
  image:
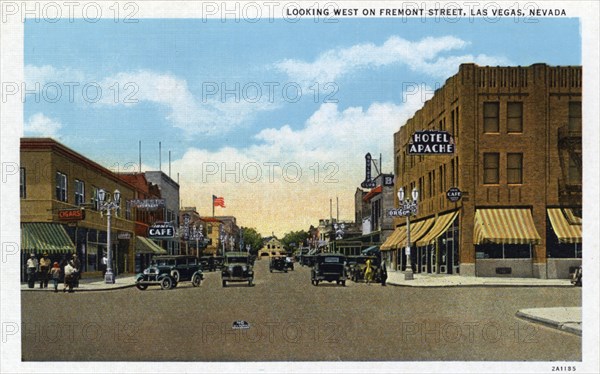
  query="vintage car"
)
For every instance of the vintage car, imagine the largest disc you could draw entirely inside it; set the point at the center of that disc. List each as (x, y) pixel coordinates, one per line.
(237, 267)
(328, 267)
(278, 263)
(209, 263)
(356, 271)
(168, 271)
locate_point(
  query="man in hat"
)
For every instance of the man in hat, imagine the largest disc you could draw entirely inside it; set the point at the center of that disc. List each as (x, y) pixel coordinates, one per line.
(44, 270)
(32, 266)
(77, 265)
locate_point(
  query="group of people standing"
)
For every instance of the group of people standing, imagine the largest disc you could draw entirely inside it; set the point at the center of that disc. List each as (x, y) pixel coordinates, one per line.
(44, 270)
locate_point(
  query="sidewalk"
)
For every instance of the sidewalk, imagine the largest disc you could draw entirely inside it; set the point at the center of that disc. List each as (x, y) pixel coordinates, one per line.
(396, 278)
(562, 318)
(567, 319)
(88, 284)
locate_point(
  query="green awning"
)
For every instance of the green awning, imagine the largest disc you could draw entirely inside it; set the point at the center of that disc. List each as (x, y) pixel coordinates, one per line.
(42, 237)
(145, 245)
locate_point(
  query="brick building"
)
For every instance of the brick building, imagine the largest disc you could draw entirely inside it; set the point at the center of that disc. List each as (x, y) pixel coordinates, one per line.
(56, 180)
(517, 161)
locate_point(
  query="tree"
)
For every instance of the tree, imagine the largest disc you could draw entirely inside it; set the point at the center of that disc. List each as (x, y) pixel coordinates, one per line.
(252, 237)
(292, 239)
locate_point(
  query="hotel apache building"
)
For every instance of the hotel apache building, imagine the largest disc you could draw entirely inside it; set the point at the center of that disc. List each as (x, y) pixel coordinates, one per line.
(517, 162)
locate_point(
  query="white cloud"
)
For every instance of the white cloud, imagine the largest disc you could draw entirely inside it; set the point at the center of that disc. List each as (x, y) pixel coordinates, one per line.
(193, 114)
(423, 55)
(187, 111)
(328, 151)
(40, 125)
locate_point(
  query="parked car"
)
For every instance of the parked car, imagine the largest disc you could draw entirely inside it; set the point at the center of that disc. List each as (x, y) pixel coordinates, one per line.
(277, 263)
(168, 271)
(237, 267)
(328, 267)
(208, 263)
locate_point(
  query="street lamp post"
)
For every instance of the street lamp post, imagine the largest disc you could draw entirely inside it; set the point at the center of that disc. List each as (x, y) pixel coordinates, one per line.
(408, 207)
(108, 206)
(197, 235)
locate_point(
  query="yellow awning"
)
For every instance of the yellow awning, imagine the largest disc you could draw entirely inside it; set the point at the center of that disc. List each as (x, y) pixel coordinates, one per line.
(391, 240)
(565, 231)
(145, 245)
(441, 225)
(417, 230)
(48, 237)
(571, 217)
(504, 226)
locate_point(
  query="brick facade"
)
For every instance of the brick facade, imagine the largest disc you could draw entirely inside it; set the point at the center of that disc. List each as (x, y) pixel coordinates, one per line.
(549, 149)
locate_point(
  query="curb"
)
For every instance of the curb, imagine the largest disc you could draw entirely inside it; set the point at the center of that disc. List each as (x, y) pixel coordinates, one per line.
(481, 285)
(570, 327)
(79, 289)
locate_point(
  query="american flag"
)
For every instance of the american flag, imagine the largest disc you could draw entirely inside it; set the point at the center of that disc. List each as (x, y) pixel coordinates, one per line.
(218, 201)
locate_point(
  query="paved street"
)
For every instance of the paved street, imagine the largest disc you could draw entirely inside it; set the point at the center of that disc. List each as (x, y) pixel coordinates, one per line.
(291, 320)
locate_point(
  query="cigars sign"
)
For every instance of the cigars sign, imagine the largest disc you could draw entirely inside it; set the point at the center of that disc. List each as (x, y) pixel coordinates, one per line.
(71, 214)
(431, 142)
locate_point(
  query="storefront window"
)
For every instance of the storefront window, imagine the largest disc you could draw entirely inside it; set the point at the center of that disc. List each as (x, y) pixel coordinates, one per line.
(484, 251)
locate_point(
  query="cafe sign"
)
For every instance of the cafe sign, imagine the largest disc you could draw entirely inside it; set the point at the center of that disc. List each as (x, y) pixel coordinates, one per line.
(431, 142)
(71, 214)
(454, 194)
(161, 230)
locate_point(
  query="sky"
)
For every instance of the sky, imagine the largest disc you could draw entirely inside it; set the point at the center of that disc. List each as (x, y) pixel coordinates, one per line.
(274, 116)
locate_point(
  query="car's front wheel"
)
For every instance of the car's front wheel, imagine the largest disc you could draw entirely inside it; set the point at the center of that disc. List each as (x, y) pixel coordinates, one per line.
(141, 286)
(196, 280)
(166, 283)
(224, 283)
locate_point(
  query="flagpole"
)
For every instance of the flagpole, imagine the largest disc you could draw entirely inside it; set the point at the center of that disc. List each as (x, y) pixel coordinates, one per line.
(213, 205)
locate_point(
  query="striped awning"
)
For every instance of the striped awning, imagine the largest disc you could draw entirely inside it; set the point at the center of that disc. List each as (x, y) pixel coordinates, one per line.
(441, 225)
(504, 226)
(417, 230)
(565, 231)
(145, 245)
(391, 240)
(571, 217)
(40, 237)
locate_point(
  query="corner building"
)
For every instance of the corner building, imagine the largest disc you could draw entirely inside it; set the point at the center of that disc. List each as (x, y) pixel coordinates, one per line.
(517, 161)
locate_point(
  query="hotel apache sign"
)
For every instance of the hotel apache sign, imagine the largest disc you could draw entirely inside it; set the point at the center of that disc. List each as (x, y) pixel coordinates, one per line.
(431, 142)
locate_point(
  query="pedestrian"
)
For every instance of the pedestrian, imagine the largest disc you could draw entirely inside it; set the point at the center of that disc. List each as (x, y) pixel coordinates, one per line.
(44, 270)
(77, 266)
(55, 275)
(32, 267)
(383, 273)
(69, 274)
(369, 272)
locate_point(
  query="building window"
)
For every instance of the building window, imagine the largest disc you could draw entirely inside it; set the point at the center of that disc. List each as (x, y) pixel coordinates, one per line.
(61, 186)
(514, 120)
(491, 111)
(574, 172)
(491, 163)
(22, 184)
(575, 116)
(95, 202)
(79, 192)
(514, 168)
